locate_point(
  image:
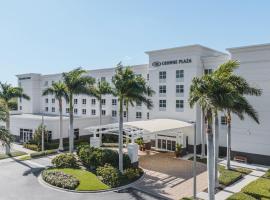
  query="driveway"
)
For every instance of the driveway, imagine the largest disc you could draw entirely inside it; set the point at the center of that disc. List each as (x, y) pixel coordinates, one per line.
(170, 177)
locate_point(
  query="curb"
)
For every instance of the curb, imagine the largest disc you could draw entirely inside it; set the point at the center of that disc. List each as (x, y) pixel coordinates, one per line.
(44, 183)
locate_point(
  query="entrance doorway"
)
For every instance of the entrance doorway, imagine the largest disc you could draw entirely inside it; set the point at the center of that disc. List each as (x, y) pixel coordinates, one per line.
(26, 135)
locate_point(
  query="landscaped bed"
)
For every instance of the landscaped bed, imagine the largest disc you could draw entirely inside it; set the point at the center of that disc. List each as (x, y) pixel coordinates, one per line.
(12, 154)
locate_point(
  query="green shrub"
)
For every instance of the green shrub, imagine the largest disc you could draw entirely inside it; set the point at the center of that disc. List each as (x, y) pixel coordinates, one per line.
(259, 189)
(33, 147)
(267, 174)
(60, 179)
(109, 175)
(227, 177)
(241, 196)
(132, 173)
(66, 160)
(37, 154)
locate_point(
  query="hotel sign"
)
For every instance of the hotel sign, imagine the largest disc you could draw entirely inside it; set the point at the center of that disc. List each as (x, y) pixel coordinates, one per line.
(171, 62)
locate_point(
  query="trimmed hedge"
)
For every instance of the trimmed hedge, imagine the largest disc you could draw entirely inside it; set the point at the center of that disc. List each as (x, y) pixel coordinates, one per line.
(66, 160)
(241, 196)
(259, 189)
(109, 175)
(93, 158)
(60, 179)
(132, 173)
(43, 153)
(228, 177)
(33, 147)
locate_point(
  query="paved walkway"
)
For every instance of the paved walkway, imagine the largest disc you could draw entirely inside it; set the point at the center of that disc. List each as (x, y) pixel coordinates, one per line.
(257, 172)
(170, 178)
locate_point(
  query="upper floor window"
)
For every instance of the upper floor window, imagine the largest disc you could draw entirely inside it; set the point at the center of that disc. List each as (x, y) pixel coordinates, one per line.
(162, 75)
(53, 109)
(67, 110)
(103, 102)
(208, 71)
(84, 111)
(46, 109)
(179, 89)
(162, 89)
(138, 103)
(53, 100)
(75, 101)
(93, 112)
(179, 104)
(180, 73)
(162, 103)
(93, 101)
(148, 77)
(223, 120)
(138, 115)
(114, 113)
(75, 111)
(46, 100)
(84, 101)
(46, 83)
(103, 112)
(114, 102)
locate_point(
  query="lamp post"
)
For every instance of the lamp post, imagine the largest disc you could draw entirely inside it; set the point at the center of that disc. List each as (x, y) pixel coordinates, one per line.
(194, 162)
(42, 132)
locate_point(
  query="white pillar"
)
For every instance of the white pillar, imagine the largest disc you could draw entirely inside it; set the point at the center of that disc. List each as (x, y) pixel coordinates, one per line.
(133, 152)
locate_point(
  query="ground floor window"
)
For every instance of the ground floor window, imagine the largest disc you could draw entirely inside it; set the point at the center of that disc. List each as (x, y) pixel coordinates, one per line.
(165, 144)
(76, 134)
(26, 135)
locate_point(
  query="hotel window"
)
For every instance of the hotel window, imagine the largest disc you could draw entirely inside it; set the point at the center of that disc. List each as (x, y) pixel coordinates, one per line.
(46, 109)
(162, 75)
(162, 89)
(76, 134)
(138, 115)
(84, 111)
(103, 102)
(223, 120)
(53, 109)
(125, 114)
(93, 101)
(93, 112)
(103, 79)
(138, 103)
(84, 101)
(75, 111)
(179, 89)
(180, 73)
(148, 115)
(148, 77)
(162, 103)
(179, 104)
(46, 83)
(103, 112)
(53, 100)
(46, 100)
(208, 71)
(114, 102)
(75, 101)
(114, 113)
(67, 110)
(20, 107)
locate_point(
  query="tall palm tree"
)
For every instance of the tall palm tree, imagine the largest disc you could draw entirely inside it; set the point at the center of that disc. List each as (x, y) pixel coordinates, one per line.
(7, 94)
(102, 88)
(129, 86)
(128, 102)
(76, 83)
(238, 105)
(5, 139)
(59, 90)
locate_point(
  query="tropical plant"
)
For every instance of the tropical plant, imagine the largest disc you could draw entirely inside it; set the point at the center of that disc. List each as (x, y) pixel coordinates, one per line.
(37, 137)
(7, 95)
(102, 88)
(59, 90)
(129, 86)
(5, 139)
(76, 83)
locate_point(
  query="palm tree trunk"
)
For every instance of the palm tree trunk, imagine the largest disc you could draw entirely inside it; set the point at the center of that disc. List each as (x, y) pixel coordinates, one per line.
(61, 148)
(71, 129)
(7, 147)
(203, 133)
(228, 166)
(216, 149)
(120, 138)
(127, 110)
(210, 163)
(100, 112)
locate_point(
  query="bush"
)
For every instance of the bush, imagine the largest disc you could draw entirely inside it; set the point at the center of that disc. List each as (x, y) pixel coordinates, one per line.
(110, 175)
(259, 189)
(227, 177)
(241, 196)
(60, 179)
(66, 160)
(267, 174)
(42, 153)
(33, 147)
(132, 173)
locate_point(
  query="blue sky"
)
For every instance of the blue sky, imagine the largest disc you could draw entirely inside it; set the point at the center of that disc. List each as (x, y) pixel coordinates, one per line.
(55, 36)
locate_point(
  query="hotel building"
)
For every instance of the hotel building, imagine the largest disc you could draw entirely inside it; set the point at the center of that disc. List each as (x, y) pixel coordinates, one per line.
(169, 73)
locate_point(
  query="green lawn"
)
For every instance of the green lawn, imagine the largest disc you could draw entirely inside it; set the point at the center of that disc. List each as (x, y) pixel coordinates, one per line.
(88, 180)
(12, 154)
(259, 189)
(241, 196)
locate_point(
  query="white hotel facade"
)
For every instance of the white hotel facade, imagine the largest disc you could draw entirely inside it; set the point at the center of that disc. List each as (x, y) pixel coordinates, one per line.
(169, 72)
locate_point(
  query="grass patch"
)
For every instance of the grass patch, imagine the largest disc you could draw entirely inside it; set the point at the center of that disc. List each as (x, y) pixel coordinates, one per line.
(88, 180)
(241, 196)
(267, 174)
(227, 177)
(199, 159)
(259, 189)
(25, 157)
(12, 154)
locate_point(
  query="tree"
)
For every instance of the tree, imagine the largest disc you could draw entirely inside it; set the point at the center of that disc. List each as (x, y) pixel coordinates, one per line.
(129, 86)
(76, 83)
(102, 88)
(37, 137)
(7, 95)
(5, 138)
(59, 90)
(238, 103)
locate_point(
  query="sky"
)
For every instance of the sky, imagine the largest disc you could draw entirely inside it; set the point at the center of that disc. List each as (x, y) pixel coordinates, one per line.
(52, 36)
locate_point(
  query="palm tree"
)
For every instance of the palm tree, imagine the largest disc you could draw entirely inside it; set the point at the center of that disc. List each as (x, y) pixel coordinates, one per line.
(203, 132)
(8, 94)
(102, 88)
(76, 83)
(238, 104)
(128, 102)
(129, 86)
(59, 90)
(5, 139)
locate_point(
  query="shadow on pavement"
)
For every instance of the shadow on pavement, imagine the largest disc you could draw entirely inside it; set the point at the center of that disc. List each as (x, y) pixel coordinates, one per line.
(32, 170)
